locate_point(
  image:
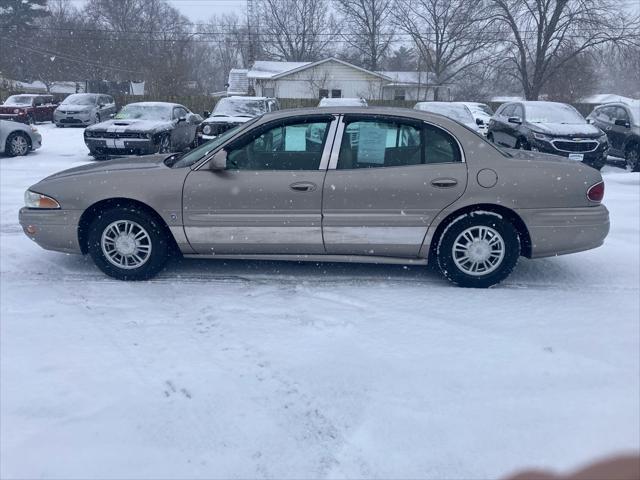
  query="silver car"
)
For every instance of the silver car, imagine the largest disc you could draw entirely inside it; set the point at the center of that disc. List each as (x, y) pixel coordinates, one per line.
(18, 139)
(415, 188)
(82, 109)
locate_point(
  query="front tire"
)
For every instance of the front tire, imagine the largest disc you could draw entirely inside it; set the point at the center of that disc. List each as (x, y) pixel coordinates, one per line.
(478, 250)
(164, 146)
(632, 157)
(17, 145)
(128, 244)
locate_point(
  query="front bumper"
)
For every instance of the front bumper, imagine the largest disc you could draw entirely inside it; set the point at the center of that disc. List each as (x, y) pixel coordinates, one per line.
(52, 229)
(75, 118)
(121, 146)
(595, 158)
(14, 117)
(559, 231)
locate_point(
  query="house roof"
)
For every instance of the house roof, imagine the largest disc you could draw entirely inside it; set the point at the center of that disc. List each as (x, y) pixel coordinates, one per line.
(265, 69)
(408, 78)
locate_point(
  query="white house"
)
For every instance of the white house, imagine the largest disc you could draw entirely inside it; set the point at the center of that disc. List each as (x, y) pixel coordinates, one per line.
(332, 78)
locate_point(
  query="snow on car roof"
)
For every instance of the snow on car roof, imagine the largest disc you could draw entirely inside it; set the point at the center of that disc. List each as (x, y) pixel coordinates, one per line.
(337, 102)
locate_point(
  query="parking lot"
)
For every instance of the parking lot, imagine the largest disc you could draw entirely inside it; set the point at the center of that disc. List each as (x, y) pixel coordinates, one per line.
(267, 369)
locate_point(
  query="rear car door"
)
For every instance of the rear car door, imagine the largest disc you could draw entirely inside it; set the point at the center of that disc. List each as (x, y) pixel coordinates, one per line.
(390, 177)
(268, 200)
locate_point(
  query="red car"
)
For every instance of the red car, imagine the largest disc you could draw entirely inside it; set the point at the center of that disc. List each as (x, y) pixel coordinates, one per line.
(28, 108)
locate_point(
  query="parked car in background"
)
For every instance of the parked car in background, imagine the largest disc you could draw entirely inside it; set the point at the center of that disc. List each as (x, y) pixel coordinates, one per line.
(621, 123)
(453, 110)
(143, 128)
(28, 108)
(232, 111)
(343, 102)
(480, 111)
(18, 139)
(549, 127)
(416, 188)
(81, 109)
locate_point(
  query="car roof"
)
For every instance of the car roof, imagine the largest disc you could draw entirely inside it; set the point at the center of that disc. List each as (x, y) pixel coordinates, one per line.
(156, 104)
(408, 113)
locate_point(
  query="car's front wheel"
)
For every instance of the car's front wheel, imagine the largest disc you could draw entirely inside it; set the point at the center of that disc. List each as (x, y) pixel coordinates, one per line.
(17, 144)
(478, 250)
(632, 157)
(164, 145)
(128, 244)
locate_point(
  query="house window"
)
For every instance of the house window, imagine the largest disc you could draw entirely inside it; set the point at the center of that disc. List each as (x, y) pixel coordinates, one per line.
(399, 94)
(269, 92)
(324, 93)
(336, 93)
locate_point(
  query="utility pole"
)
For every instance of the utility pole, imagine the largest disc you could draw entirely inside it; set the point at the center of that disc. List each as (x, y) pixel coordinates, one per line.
(252, 29)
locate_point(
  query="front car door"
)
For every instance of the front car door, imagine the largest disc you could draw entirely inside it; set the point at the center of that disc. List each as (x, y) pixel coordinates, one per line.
(501, 125)
(268, 200)
(618, 133)
(180, 134)
(387, 181)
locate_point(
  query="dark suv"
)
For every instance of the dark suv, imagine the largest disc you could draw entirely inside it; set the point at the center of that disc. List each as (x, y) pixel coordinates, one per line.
(621, 123)
(549, 127)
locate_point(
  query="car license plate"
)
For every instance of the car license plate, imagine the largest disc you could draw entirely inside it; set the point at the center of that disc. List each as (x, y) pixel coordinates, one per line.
(578, 157)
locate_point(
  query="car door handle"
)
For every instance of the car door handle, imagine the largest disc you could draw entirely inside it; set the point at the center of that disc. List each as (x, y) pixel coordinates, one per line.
(303, 186)
(444, 182)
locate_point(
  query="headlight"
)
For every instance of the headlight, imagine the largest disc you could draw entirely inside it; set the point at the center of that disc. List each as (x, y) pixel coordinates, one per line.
(541, 136)
(16, 110)
(206, 129)
(38, 200)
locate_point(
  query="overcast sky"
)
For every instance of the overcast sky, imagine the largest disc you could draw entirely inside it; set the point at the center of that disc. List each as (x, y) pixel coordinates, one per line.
(202, 10)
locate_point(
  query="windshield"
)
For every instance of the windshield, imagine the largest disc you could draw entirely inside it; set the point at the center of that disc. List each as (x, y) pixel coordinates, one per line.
(481, 108)
(552, 113)
(79, 99)
(203, 150)
(456, 112)
(237, 107)
(18, 100)
(144, 112)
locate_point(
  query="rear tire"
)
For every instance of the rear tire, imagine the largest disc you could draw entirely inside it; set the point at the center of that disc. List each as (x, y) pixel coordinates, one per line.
(128, 244)
(478, 250)
(17, 145)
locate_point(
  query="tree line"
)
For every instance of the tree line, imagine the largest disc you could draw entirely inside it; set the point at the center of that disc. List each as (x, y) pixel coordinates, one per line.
(562, 49)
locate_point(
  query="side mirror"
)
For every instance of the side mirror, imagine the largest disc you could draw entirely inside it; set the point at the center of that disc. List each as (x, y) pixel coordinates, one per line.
(219, 161)
(479, 121)
(622, 123)
(111, 115)
(182, 119)
(101, 105)
(206, 114)
(589, 121)
(516, 120)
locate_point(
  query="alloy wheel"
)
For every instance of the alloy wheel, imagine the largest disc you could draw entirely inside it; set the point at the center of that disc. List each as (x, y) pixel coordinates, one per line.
(126, 244)
(478, 250)
(19, 145)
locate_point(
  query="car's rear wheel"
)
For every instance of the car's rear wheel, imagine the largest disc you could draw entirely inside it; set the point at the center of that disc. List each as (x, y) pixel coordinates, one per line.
(632, 157)
(478, 250)
(128, 244)
(17, 144)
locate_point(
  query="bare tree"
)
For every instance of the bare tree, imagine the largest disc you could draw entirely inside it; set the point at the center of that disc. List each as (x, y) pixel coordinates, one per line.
(367, 25)
(545, 35)
(450, 36)
(295, 30)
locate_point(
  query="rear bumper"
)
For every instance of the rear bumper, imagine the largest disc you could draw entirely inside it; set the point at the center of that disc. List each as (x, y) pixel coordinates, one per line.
(14, 117)
(52, 229)
(559, 231)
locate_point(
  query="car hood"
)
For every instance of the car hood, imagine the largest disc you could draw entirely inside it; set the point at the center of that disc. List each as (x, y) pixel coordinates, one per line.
(537, 156)
(562, 129)
(74, 108)
(132, 125)
(226, 119)
(132, 163)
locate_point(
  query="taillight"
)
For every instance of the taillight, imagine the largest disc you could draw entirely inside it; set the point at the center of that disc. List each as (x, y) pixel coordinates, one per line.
(596, 192)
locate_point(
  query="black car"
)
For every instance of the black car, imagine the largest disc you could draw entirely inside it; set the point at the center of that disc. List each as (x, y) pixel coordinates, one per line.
(232, 111)
(549, 127)
(143, 128)
(621, 123)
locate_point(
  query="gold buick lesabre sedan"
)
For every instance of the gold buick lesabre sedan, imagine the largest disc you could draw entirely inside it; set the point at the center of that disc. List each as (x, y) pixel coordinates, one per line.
(339, 185)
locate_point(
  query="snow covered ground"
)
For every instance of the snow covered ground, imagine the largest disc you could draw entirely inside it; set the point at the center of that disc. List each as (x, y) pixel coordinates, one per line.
(264, 369)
